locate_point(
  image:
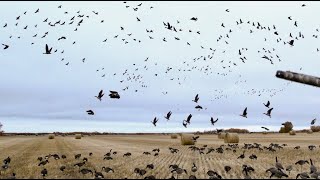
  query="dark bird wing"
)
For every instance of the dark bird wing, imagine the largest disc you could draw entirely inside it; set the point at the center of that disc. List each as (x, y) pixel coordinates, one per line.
(47, 48)
(269, 111)
(216, 120)
(101, 93)
(245, 111)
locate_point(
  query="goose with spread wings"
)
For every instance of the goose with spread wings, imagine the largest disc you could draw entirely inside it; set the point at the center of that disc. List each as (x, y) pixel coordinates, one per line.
(196, 99)
(267, 105)
(213, 121)
(189, 118)
(168, 115)
(244, 114)
(154, 122)
(48, 51)
(114, 94)
(100, 95)
(268, 112)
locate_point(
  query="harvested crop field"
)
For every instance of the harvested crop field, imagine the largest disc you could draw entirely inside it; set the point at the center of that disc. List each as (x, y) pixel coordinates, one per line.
(25, 150)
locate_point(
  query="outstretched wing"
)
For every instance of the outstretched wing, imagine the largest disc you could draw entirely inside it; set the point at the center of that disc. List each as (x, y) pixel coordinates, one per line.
(100, 93)
(245, 111)
(216, 120)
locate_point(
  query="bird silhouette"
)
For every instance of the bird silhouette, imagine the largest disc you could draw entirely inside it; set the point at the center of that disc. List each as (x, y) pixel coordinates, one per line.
(313, 121)
(267, 105)
(90, 112)
(168, 115)
(189, 118)
(268, 112)
(5, 46)
(213, 121)
(114, 95)
(196, 99)
(48, 51)
(154, 122)
(100, 95)
(194, 19)
(244, 114)
(198, 107)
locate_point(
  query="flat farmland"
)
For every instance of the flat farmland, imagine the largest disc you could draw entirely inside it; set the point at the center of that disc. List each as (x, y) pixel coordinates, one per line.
(25, 150)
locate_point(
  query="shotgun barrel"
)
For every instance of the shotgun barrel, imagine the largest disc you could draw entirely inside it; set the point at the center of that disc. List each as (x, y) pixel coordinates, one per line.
(298, 77)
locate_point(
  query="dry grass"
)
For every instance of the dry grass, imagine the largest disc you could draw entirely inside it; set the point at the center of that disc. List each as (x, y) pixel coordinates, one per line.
(221, 135)
(24, 152)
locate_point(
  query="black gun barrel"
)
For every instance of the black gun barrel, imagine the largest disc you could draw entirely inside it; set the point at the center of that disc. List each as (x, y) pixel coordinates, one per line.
(298, 77)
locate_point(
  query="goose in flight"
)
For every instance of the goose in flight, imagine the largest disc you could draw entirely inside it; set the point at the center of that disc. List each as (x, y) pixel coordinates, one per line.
(196, 99)
(244, 114)
(154, 122)
(90, 112)
(114, 94)
(213, 121)
(198, 107)
(48, 51)
(189, 118)
(267, 105)
(168, 115)
(100, 95)
(5, 46)
(268, 112)
(194, 19)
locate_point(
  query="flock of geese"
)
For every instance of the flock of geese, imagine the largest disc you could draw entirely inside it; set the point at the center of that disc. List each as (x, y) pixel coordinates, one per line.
(202, 63)
(83, 163)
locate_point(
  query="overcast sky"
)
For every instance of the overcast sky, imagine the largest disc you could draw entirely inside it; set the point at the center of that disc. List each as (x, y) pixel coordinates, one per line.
(40, 93)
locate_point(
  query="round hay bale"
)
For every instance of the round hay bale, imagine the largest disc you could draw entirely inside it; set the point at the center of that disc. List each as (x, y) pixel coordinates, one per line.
(51, 136)
(186, 139)
(78, 136)
(174, 136)
(309, 131)
(231, 138)
(221, 135)
(292, 133)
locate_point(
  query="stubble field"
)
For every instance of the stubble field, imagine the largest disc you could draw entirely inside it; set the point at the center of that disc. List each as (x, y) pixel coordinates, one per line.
(25, 150)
